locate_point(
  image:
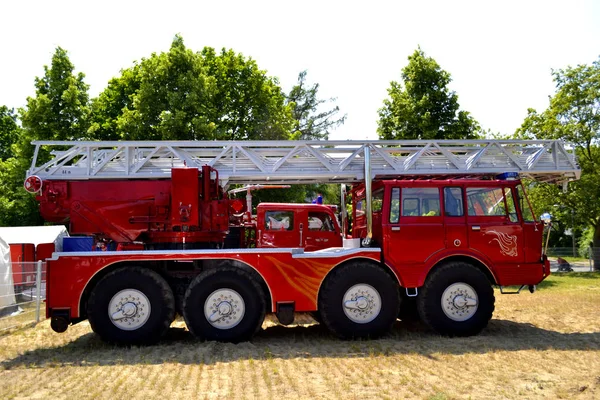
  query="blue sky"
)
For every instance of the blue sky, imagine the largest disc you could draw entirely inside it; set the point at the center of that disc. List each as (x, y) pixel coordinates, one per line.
(500, 53)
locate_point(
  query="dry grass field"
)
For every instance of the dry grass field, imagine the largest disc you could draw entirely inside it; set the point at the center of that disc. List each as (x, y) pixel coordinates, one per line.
(545, 345)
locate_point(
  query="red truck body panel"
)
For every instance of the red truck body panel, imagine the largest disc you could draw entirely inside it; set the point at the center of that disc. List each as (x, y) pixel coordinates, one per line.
(290, 274)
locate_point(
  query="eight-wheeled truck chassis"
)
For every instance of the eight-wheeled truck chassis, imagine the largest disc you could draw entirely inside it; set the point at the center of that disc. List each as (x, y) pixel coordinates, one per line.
(435, 226)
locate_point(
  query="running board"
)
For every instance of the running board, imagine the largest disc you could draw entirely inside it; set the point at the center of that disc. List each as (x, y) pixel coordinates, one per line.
(532, 289)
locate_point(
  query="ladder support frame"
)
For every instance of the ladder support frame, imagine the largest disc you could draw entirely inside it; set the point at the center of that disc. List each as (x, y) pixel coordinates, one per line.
(295, 162)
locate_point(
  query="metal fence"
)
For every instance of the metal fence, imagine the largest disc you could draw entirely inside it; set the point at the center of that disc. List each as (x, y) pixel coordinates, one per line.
(580, 261)
(22, 292)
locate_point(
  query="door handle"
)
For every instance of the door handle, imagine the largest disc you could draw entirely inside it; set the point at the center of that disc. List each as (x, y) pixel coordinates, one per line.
(476, 228)
(395, 228)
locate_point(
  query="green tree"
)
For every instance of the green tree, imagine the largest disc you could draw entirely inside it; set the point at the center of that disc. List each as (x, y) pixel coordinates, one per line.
(310, 121)
(107, 110)
(16, 206)
(60, 108)
(59, 111)
(182, 95)
(9, 131)
(573, 115)
(247, 104)
(424, 107)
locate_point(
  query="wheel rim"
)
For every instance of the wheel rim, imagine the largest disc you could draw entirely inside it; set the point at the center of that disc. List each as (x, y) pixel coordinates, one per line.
(361, 303)
(460, 301)
(224, 308)
(129, 309)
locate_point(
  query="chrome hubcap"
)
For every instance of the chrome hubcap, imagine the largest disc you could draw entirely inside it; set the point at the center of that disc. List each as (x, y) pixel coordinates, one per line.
(459, 301)
(361, 303)
(224, 308)
(129, 309)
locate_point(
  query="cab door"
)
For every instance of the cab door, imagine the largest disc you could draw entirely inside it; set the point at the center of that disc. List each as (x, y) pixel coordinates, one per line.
(321, 232)
(279, 229)
(414, 229)
(493, 224)
(457, 238)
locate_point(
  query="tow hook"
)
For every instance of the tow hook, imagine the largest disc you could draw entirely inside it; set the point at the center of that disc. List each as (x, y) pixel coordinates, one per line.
(532, 288)
(60, 320)
(59, 324)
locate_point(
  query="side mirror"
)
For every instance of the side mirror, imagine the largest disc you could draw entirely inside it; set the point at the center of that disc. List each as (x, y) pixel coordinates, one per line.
(546, 218)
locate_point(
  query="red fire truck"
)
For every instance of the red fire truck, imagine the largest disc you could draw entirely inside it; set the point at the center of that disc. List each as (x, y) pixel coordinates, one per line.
(435, 225)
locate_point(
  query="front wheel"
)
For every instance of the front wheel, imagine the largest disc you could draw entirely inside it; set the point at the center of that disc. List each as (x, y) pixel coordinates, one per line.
(456, 300)
(359, 300)
(131, 305)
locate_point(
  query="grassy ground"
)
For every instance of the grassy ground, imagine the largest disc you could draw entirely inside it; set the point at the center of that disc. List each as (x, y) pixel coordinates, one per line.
(545, 345)
(26, 317)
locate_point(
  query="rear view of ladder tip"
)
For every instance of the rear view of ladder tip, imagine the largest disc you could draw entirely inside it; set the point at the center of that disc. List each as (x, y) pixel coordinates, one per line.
(308, 161)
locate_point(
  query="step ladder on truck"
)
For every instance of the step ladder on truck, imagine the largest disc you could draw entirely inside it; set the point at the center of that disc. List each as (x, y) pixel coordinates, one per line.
(435, 225)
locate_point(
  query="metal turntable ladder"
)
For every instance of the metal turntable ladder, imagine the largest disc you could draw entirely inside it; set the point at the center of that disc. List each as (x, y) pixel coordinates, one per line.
(289, 162)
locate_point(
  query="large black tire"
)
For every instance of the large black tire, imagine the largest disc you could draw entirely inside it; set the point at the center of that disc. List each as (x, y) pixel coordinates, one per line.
(120, 290)
(316, 315)
(355, 283)
(225, 291)
(459, 283)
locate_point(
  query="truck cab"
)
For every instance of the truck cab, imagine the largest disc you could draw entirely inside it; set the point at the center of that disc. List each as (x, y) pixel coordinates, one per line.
(308, 226)
(419, 223)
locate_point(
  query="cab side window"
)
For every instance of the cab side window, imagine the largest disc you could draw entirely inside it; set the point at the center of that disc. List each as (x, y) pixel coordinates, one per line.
(360, 208)
(395, 206)
(453, 202)
(320, 221)
(279, 220)
(420, 202)
(377, 200)
(491, 202)
(512, 211)
(526, 211)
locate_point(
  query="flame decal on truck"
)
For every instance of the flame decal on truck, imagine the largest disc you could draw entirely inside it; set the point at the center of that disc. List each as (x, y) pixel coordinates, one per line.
(305, 276)
(508, 243)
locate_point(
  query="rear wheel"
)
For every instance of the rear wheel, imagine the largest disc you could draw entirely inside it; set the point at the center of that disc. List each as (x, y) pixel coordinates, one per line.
(131, 305)
(225, 304)
(456, 300)
(359, 300)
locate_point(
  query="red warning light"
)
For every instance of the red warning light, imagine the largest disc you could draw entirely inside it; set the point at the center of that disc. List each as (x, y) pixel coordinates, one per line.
(237, 206)
(33, 184)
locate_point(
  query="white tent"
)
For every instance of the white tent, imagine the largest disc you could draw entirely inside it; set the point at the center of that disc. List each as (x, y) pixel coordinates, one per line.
(35, 235)
(7, 290)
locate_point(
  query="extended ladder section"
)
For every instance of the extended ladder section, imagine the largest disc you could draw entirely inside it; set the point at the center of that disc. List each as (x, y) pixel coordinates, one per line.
(308, 161)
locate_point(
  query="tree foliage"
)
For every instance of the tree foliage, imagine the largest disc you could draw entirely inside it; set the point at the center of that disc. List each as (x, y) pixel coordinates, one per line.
(310, 121)
(573, 115)
(58, 111)
(9, 131)
(247, 104)
(423, 107)
(182, 95)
